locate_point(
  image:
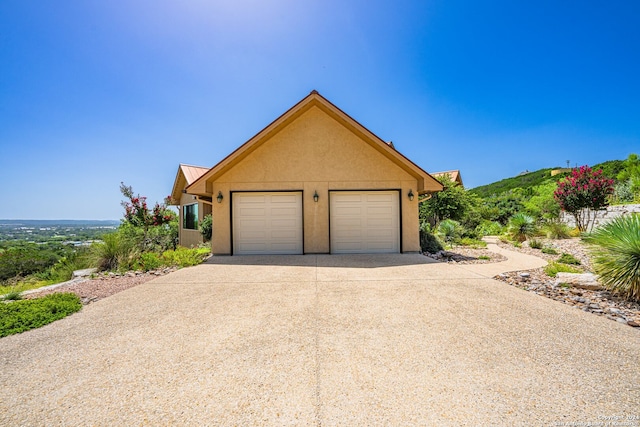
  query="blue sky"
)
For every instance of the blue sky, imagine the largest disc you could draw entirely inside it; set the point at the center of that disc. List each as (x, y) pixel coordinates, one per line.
(95, 93)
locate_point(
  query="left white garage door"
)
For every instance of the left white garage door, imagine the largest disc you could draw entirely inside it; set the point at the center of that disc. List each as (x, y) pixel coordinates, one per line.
(267, 223)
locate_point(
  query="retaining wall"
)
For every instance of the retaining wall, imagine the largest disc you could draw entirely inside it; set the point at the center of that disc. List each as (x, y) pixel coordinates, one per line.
(604, 215)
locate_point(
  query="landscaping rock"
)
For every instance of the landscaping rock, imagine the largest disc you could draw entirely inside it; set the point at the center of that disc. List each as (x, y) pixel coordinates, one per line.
(85, 272)
(582, 281)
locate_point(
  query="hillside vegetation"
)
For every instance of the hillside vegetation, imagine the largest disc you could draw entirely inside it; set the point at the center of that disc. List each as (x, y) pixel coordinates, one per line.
(525, 181)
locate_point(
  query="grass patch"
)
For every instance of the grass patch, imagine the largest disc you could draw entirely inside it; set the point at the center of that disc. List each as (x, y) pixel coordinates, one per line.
(566, 258)
(553, 268)
(535, 244)
(549, 251)
(484, 257)
(473, 243)
(20, 316)
(24, 284)
(12, 296)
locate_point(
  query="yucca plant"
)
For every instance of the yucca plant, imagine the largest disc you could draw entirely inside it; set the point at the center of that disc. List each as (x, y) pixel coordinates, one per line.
(615, 251)
(113, 252)
(449, 230)
(520, 227)
(556, 230)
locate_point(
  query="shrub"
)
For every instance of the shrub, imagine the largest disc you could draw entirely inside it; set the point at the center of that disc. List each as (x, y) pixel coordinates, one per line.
(149, 261)
(429, 243)
(20, 316)
(566, 258)
(553, 268)
(184, 257)
(549, 251)
(520, 227)
(489, 228)
(484, 257)
(556, 230)
(535, 244)
(206, 227)
(615, 251)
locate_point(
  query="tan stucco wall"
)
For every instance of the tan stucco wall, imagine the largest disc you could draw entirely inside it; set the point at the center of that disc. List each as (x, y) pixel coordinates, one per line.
(189, 238)
(314, 153)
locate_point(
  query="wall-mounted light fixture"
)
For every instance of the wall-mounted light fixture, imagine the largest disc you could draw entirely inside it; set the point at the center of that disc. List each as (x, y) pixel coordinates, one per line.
(410, 195)
(315, 196)
(219, 198)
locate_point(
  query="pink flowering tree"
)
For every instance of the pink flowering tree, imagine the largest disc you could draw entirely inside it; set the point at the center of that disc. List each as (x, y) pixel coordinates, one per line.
(582, 193)
(151, 229)
(137, 213)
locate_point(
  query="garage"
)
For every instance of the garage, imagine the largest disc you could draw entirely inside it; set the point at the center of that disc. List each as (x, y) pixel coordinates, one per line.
(267, 223)
(364, 222)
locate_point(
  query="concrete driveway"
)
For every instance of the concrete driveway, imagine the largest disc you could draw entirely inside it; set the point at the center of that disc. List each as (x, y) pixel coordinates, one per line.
(322, 340)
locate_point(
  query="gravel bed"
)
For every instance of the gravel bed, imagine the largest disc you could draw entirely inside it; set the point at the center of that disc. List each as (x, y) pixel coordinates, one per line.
(573, 246)
(601, 303)
(463, 255)
(103, 286)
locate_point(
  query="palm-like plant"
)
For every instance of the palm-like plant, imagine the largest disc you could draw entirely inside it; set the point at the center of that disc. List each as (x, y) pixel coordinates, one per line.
(520, 227)
(615, 251)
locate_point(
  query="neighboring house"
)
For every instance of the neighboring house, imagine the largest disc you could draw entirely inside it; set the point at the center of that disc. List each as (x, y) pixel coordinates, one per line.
(454, 175)
(191, 208)
(313, 181)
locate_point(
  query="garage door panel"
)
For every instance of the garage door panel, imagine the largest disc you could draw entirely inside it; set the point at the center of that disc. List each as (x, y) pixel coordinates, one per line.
(283, 234)
(284, 212)
(349, 210)
(248, 198)
(386, 211)
(267, 223)
(284, 198)
(365, 222)
(380, 198)
(380, 222)
(347, 222)
(246, 212)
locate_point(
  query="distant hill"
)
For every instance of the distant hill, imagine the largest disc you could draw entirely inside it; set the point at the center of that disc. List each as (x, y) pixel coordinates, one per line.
(58, 222)
(610, 169)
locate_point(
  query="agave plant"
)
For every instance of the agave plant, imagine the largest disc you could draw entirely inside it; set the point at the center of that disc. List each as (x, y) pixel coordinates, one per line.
(520, 227)
(615, 251)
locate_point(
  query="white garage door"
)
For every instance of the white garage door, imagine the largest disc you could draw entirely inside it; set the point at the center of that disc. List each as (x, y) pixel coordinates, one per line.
(365, 222)
(267, 223)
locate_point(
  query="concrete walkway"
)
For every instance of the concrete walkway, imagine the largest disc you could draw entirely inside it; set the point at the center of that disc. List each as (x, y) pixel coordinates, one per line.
(515, 261)
(322, 340)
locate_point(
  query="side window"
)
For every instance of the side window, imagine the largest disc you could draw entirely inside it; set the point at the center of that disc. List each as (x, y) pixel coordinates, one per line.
(190, 217)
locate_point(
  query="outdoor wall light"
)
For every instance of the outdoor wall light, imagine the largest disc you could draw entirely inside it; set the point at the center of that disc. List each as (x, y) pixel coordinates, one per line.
(219, 198)
(410, 195)
(315, 196)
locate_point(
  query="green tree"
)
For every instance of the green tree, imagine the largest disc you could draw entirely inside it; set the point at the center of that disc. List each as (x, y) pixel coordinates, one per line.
(542, 204)
(453, 202)
(631, 174)
(503, 206)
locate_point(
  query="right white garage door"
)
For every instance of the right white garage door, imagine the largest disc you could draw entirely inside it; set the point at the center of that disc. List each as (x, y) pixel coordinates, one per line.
(364, 222)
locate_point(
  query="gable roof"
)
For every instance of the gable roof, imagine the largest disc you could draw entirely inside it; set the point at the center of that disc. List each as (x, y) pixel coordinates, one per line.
(426, 183)
(453, 174)
(187, 175)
